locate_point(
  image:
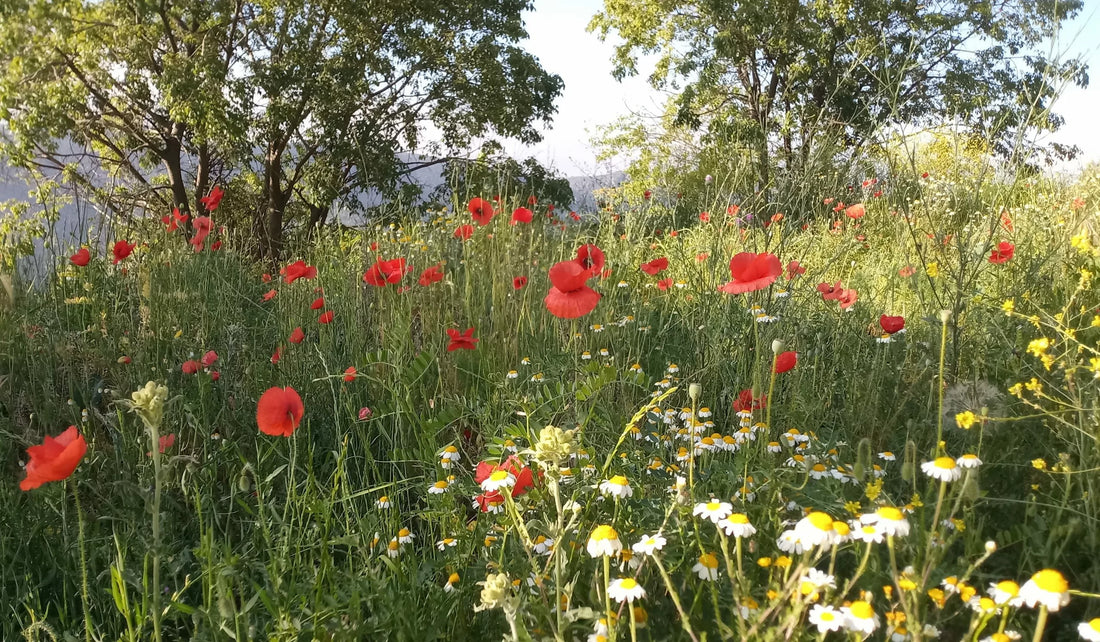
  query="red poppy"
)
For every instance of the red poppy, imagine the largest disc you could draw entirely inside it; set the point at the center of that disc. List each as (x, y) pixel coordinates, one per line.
(847, 298)
(326, 318)
(785, 361)
(733, 210)
(215, 246)
(485, 501)
(855, 211)
(174, 219)
(570, 297)
(830, 292)
(266, 278)
(190, 367)
(81, 258)
(531, 200)
(745, 402)
(647, 195)
(522, 215)
(1006, 222)
(121, 250)
(704, 217)
(525, 479)
(752, 272)
(54, 459)
(211, 200)
(215, 375)
(270, 294)
(1002, 253)
(349, 374)
(794, 269)
(656, 266)
(432, 275)
(209, 359)
(383, 272)
(464, 232)
(299, 270)
(279, 411)
(461, 341)
(124, 359)
(906, 272)
(275, 356)
(296, 336)
(202, 226)
(664, 284)
(518, 282)
(164, 443)
(590, 258)
(702, 256)
(481, 210)
(317, 304)
(890, 324)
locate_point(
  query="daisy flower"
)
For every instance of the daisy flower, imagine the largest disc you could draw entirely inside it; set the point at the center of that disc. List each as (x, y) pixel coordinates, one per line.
(890, 520)
(604, 541)
(826, 618)
(383, 502)
(942, 468)
(625, 589)
(707, 567)
(499, 479)
(543, 545)
(618, 487)
(405, 536)
(737, 525)
(450, 454)
(393, 549)
(1006, 592)
(969, 461)
(860, 617)
(438, 488)
(451, 581)
(1090, 630)
(713, 510)
(1046, 588)
(887, 456)
(814, 580)
(869, 533)
(445, 543)
(512, 374)
(814, 529)
(649, 544)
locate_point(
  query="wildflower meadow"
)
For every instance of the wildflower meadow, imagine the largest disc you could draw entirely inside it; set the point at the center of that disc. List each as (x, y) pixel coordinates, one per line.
(875, 419)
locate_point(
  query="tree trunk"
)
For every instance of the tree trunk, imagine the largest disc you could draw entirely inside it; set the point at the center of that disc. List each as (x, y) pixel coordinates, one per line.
(318, 216)
(271, 239)
(172, 163)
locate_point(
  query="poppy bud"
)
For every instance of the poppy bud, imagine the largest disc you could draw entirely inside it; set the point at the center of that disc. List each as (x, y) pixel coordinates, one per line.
(909, 466)
(244, 481)
(991, 547)
(694, 390)
(778, 346)
(945, 315)
(863, 457)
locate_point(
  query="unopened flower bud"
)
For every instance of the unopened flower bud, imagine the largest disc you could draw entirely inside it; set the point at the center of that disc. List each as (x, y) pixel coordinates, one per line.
(694, 390)
(778, 346)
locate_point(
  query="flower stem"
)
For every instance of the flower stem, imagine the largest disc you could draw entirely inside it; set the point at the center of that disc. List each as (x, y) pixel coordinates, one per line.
(607, 596)
(633, 623)
(1040, 624)
(83, 564)
(684, 622)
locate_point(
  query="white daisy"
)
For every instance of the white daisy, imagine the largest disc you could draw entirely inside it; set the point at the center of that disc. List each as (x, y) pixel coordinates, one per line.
(383, 502)
(707, 567)
(445, 543)
(860, 617)
(942, 468)
(814, 529)
(405, 536)
(826, 618)
(1046, 588)
(1090, 630)
(969, 461)
(497, 480)
(737, 525)
(1006, 592)
(649, 544)
(604, 541)
(890, 520)
(625, 589)
(438, 488)
(618, 487)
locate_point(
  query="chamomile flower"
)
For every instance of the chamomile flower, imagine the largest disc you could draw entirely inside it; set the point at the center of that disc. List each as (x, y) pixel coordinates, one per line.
(707, 567)
(604, 541)
(890, 520)
(737, 525)
(1006, 592)
(774, 447)
(814, 529)
(445, 543)
(820, 471)
(788, 542)
(617, 487)
(450, 454)
(887, 456)
(860, 617)
(813, 581)
(673, 368)
(942, 468)
(543, 545)
(649, 544)
(405, 536)
(713, 510)
(826, 618)
(1046, 588)
(869, 533)
(452, 579)
(586, 355)
(393, 549)
(526, 361)
(1090, 630)
(383, 502)
(438, 488)
(512, 374)
(497, 480)
(625, 589)
(969, 461)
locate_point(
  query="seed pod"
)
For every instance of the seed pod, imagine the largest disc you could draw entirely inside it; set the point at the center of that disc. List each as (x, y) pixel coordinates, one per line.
(909, 466)
(863, 458)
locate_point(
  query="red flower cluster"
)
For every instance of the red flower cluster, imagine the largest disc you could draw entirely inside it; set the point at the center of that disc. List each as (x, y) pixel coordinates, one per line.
(1002, 253)
(383, 272)
(461, 341)
(525, 480)
(846, 298)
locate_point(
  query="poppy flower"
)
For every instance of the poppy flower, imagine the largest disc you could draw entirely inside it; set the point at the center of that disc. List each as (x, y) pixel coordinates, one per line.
(275, 356)
(202, 225)
(266, 278)
(364, 413)
(733, 210)
(746, 402)
(299, 270)
(752, 272)
(461, 341)
(296, 336)
(525, 479)
(464, 232)
(829, 292)
(906, 272)
(570, 297)
(702, 256)
(481, 210)
(487, 500)
(890, 324)
(213, 199)
(590, 258)
(209, 358)
(54, 459)
(164, 443)
(81, 258)
(349, 374)
(326, 318)
(531, 200)
(785, 361)
(704, 217)
(215, 246)
(270, 294)
(279, 411)
(215, 375)
(383, 272)
(174, 219)
(190, 367)
(432, 275)
(574, 216)
(647, 195)
(518, 282)
(664, 284)
(847, 298)
(318, 303)
(656, 266)
(521, 215)
(121, 250)
(855, 211)
(1002, 253)
(794, 269)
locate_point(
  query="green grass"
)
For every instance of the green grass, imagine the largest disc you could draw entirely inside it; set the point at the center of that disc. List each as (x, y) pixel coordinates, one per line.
(272, 538)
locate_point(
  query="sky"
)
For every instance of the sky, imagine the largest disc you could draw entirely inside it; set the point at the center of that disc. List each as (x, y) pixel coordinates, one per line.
(592, 97)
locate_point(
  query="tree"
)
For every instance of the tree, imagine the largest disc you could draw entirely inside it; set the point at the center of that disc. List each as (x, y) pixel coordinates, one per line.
(307, 99)
(782, 74)
(494, 174)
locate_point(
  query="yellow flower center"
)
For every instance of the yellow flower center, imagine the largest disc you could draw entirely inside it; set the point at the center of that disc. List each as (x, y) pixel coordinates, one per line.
(453, 579)
(890, 513)
(840, 528)
(618, 480)
(1010, 587)
(861, 610)
(441, 484)
(1051, 581)
(450, 449)
(945, 463)
(628, 584)
(708, 560)
(819, 468)
(1094, 624)
(499, 475)
(738, 518)
(604, 532)
(827, 616)
(713, 506)
(820, 520)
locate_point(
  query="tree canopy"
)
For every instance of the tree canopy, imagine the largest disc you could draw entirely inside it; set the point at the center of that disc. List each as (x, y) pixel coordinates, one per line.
(150, 103)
